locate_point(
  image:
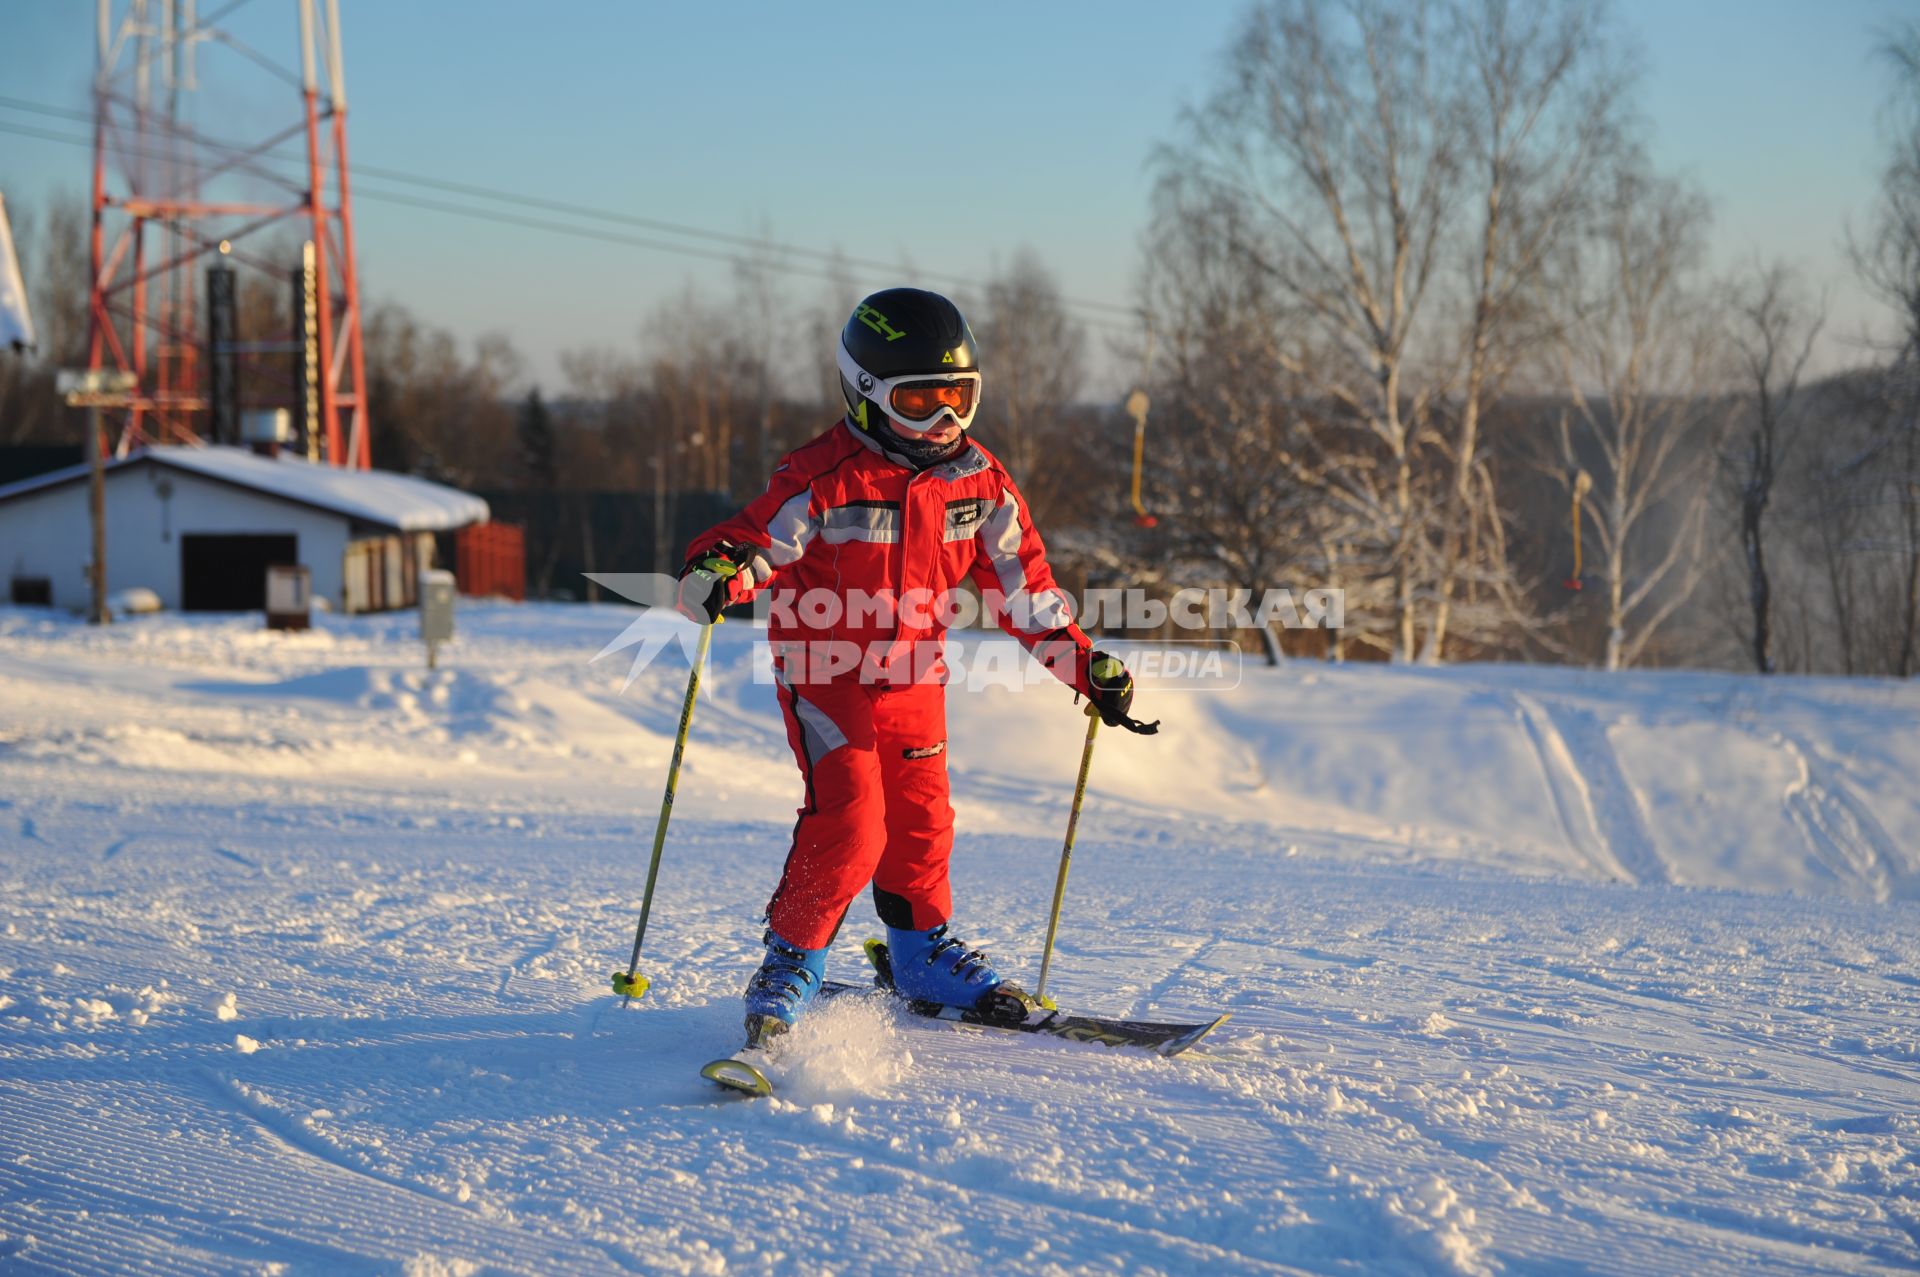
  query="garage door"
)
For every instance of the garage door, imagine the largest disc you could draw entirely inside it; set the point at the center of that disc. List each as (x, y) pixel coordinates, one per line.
(223, 573)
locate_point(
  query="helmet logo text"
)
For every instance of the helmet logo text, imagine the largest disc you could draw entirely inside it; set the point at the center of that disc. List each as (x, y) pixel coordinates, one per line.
(878, 322)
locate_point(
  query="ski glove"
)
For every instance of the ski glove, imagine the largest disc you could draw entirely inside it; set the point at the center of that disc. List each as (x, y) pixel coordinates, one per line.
(709, 582)
(1110, 693)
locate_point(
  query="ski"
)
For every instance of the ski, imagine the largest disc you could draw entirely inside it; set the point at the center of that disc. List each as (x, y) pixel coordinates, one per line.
(1024, 1015)
(742, 1072)
(738, 1073)
(1152, 1035)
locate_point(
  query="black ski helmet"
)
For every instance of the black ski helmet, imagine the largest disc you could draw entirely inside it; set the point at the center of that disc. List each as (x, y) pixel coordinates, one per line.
(905, 332)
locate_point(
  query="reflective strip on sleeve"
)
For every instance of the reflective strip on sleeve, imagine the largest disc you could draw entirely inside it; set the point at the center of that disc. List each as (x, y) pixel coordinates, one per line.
(1046, 610)
(874, 521)
(1001, 537)
(790, 529)
(1026, 610)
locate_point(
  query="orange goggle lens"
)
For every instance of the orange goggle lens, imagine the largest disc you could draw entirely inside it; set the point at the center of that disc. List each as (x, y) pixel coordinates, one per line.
(920, 400)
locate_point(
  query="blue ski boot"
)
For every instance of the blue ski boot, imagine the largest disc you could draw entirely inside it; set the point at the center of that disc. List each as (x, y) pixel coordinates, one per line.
(781, 989)
(931, 966)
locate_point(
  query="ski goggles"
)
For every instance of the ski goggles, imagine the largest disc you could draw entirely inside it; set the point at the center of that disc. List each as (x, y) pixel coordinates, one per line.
(918, 402)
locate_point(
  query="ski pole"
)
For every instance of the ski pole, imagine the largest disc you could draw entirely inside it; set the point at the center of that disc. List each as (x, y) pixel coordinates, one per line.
(627, 984)
(1066, 853)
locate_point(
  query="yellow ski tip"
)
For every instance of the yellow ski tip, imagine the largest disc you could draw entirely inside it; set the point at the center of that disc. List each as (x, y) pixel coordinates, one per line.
(628, 985)
(737, 1075)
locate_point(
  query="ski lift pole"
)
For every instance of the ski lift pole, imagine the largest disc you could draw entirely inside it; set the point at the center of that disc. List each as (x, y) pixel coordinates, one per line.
(1137, 404)
(1137, 409)
(1581, 483)
(628, 984)
(1066, 853)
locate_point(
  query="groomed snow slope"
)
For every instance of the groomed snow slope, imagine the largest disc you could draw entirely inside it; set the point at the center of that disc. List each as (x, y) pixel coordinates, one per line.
(1531, 970)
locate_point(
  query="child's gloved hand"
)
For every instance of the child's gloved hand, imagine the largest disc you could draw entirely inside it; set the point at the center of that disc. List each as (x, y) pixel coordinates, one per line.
(1110, 689)
(710, 581)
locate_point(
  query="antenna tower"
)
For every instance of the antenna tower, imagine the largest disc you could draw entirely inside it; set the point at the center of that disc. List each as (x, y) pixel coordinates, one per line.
(178, 190)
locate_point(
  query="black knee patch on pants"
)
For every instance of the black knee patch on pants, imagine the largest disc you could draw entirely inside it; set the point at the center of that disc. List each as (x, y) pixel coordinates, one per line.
(894, 910)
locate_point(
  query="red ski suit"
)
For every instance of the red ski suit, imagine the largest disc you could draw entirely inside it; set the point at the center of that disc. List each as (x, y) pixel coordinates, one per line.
(841, 525)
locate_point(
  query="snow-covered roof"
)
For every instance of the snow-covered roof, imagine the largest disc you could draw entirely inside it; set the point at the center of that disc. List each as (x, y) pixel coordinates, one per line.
(381, 497)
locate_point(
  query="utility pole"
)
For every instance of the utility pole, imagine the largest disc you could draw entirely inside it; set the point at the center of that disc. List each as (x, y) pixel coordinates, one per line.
(97, 508)
(94, 389)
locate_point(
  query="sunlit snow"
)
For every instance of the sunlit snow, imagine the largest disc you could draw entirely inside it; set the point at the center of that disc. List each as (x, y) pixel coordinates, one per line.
(303, 960)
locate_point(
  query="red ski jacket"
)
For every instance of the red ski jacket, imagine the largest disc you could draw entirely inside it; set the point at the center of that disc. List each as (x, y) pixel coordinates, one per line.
(857, 553)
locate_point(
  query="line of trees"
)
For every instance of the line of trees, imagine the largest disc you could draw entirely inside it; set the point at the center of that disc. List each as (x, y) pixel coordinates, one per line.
(1417, 315)
(1426, 307)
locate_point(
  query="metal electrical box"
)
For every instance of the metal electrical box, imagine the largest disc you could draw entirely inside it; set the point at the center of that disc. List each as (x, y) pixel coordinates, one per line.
(289, 597)
(436, 611)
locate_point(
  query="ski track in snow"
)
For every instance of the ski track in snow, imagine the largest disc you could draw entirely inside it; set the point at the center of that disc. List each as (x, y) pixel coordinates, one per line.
(1597, 805)
(315, 981)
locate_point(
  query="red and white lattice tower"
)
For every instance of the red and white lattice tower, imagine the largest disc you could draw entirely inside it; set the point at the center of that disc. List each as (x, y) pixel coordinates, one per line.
(175, 192)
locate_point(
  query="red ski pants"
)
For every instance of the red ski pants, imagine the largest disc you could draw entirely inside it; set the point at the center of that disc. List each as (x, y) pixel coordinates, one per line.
(875, 763)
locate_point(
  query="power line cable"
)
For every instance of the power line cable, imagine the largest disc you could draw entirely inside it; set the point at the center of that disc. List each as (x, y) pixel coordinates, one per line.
(557, 228)
(752, 243)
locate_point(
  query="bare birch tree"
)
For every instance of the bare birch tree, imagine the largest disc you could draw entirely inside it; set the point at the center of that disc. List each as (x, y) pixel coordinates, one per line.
(1539, 112)
(1637, 354)
(1399, 170)
(1328, 164)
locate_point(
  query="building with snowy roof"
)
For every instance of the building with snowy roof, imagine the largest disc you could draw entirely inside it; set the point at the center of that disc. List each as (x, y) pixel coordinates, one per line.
(199, 526)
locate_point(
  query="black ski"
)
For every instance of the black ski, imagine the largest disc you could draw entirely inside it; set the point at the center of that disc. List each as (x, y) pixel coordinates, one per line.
(1021, 1014)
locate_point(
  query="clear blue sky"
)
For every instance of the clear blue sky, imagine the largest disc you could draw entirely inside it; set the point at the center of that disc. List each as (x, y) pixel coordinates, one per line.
(947, 137)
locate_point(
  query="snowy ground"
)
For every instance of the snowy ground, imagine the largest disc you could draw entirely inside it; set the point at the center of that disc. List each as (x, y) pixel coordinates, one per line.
(1532, 971)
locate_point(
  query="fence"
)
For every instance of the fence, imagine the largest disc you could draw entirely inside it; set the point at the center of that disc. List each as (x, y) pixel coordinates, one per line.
(490, 559)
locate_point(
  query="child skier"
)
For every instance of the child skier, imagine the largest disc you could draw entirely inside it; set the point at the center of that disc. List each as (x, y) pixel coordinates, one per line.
(860, 533)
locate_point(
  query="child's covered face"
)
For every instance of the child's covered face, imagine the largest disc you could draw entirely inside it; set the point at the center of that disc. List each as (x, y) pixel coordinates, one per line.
(946, 432)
